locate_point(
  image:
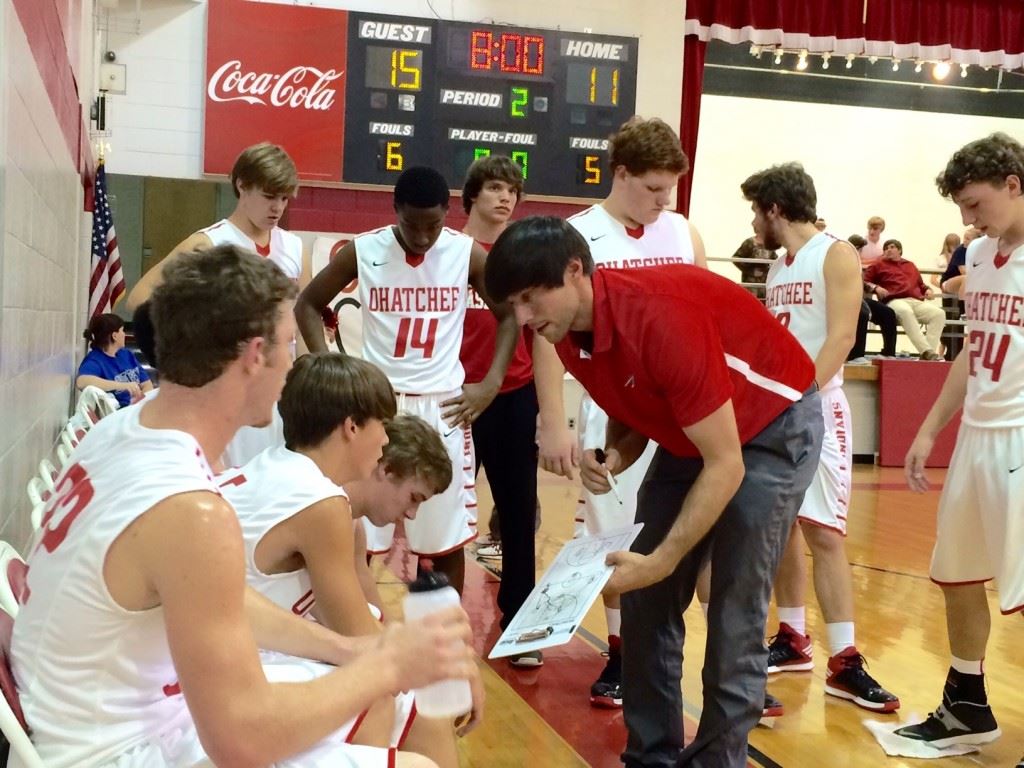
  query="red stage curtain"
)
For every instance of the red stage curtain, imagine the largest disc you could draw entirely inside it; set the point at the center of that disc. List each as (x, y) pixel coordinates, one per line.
(817, 25)
(983, 32)
(988, 32)
(693, 86)
(980, 32)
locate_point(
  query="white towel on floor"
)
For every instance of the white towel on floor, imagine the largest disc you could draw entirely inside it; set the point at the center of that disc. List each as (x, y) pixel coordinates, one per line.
(898, 746)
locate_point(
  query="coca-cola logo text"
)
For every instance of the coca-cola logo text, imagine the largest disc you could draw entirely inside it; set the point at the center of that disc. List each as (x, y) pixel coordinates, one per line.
(230, 83)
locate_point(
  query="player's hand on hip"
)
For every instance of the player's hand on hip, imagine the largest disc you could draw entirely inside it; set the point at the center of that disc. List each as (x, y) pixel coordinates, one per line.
(463, 410)
(436, 647)
(594, 474)
(633, 571)
(469, 722)
(914, 463)
(557, 450)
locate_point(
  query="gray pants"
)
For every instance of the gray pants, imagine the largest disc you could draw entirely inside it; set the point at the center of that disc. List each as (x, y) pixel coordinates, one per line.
(744, 546)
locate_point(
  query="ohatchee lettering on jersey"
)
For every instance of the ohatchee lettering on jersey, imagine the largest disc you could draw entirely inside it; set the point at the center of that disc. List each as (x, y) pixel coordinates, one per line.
(795, 294)
(994, 335)
(285, 248)
(273, 487)
(666, 241)
(94, 678)
(413, 309)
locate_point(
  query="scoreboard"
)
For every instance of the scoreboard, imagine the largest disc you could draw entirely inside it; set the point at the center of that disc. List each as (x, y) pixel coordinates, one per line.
(439, 93)
(358, 97)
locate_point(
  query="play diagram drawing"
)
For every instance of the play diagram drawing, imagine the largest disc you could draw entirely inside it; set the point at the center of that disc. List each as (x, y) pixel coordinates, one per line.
(558, 603)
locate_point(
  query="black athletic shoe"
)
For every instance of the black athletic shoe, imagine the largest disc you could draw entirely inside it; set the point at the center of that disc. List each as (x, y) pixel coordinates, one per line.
(848, 680)
(955, 722)
(772, 706)
(606, 693)
(789, 651)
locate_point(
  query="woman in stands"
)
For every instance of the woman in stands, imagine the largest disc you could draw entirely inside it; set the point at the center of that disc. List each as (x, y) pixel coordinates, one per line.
(110, 366)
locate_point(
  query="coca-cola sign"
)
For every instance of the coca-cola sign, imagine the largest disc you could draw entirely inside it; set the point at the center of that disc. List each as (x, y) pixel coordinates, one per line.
(275, 73)
(305, 87)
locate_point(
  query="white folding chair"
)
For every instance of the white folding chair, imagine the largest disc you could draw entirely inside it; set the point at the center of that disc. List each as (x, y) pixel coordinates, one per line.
(13, 572)
(95, 403)
(48, 473)
(63, 454)
(12, 719)
(36, 519)
(80, 423)
(68, 439)
(37, 492)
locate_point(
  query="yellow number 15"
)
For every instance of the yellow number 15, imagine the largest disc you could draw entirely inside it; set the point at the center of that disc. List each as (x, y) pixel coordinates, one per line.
(400, 67)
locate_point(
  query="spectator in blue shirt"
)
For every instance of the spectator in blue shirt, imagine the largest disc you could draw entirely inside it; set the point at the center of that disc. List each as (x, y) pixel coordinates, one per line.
(110, 366)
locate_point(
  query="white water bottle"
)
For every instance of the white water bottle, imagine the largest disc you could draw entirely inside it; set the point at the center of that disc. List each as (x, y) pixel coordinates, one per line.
(447, 698)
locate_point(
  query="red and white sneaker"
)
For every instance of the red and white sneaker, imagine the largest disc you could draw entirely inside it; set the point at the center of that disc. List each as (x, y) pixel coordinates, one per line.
(848, 680)
(789, 651)
(772, 706)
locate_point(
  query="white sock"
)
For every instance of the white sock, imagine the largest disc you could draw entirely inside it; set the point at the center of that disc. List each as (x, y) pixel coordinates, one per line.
(795, 617)
(965, 667)
(840, 636)
(614, 618)
(704, 610)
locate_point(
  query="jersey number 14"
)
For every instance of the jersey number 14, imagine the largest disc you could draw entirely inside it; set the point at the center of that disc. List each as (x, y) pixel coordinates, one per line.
(416, 334)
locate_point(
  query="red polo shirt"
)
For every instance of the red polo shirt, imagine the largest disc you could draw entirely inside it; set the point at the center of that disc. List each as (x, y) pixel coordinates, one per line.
(900, 278)
(479, 331)
(672, 344)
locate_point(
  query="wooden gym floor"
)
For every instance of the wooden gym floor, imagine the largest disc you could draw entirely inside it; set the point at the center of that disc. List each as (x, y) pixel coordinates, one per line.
(542, 718)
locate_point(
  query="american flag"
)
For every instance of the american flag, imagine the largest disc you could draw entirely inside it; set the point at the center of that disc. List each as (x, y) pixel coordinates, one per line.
(106, 282)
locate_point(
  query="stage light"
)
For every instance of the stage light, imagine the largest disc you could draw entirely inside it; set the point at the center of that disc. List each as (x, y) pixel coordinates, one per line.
(895, 65)
(849, 60)
(918, 67)
(824, 60)
(940, 70)
(963, 70)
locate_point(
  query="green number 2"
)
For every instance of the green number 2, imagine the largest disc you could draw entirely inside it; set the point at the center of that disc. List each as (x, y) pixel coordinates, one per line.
(520, 98)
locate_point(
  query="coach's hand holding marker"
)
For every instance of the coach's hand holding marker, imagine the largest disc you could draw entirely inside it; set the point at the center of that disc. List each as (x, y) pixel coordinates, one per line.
(600, 456)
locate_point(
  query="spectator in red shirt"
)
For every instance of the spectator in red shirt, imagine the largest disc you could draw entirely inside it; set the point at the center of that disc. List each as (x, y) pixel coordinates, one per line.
(689, 359)
(897, 282)
(872, 251)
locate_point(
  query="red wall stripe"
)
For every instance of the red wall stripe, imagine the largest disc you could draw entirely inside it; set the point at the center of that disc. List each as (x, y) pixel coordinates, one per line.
(323, 209)
(43, 23)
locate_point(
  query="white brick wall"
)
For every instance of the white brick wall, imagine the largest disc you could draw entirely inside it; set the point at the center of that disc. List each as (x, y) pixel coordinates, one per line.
(43, 269)
(156, 127)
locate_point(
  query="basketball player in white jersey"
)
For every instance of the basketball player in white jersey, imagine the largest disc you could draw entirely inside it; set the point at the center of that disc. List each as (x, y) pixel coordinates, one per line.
(414, 279)
(981, 510)
(415, 466)
(815, 291)
(136, 644)
(632, 227)
(298, 525)
(264, 180)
